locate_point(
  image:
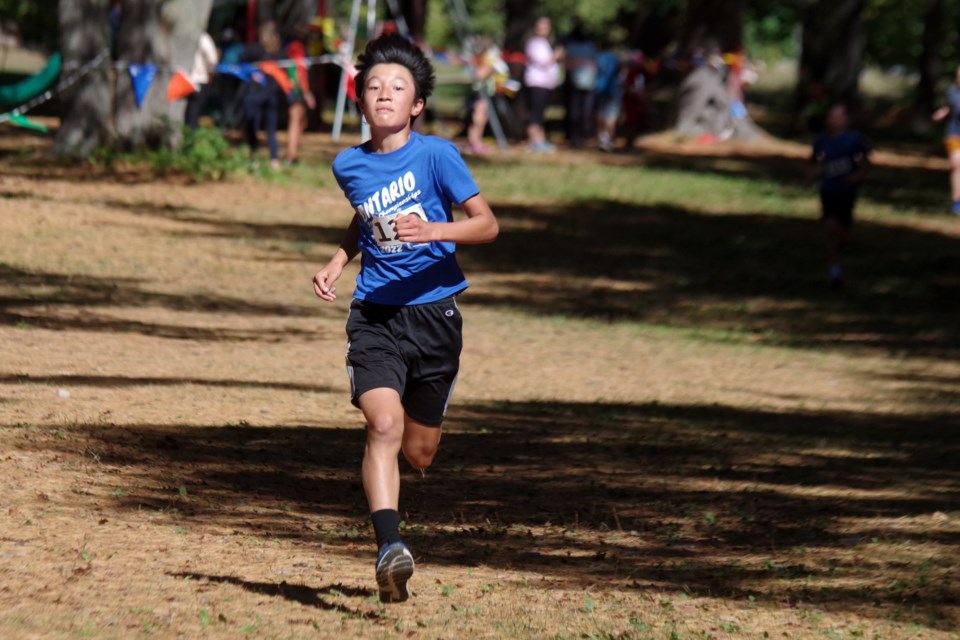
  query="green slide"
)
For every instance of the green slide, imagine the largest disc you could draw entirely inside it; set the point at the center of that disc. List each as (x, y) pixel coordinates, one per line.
(13, 95)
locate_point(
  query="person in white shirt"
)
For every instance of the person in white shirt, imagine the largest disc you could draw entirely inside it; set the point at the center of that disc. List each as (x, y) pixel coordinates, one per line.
(204, 62)
(541, 77)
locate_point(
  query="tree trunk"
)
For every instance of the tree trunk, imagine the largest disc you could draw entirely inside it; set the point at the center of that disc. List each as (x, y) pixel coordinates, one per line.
(84, 34)
(713, 23)
(520, 16)
(415, 14)
(290, 16)
(831, 56)
(166, 35)
(931, 62)
(709, 104)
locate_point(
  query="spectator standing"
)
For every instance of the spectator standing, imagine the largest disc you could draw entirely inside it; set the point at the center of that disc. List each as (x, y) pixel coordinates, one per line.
(204, 62)
(260, 102)
(541, 76)
(609, 96)
(950, 113)
(580, 60)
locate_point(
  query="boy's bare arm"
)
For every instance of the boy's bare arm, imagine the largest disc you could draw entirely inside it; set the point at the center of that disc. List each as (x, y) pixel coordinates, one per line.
(815, 167)
(863, 168)
(323, 281)
(480, 226)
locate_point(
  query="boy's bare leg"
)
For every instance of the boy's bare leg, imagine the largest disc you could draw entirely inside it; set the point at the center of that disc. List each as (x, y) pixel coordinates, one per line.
(835, 236)
(389, 430)
(955, 175)
(297, 123)
(420, 443)
(385, 425)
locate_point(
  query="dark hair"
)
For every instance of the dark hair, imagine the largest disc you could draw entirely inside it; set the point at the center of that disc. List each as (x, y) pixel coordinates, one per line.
(393, 48)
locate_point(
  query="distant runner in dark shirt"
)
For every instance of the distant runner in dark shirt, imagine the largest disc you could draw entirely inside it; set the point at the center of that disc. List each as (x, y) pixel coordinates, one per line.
(842, 157)
(951, 114)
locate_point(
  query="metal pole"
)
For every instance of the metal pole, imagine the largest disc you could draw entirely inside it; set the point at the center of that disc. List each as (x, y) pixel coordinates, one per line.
(348, 50)
(371, 25)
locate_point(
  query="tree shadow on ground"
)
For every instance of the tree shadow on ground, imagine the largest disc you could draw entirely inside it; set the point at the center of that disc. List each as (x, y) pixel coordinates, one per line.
(758, 277)
(31, 295)
(913, 184)
(307, 596)
(121, 382)
(829, 508)
(214, 224)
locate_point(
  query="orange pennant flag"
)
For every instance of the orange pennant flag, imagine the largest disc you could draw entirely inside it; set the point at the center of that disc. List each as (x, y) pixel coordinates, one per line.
(180, 87)
(273, 70)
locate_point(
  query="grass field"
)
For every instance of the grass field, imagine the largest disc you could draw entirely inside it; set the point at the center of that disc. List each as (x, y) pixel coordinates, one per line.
(667, 427)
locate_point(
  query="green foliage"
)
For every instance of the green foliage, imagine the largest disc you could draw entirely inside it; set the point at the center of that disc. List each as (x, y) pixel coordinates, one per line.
(36, 20)
(770, 30)
(206, 155)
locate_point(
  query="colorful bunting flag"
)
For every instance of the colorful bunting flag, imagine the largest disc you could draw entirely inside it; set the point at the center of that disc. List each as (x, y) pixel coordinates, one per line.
(180, 87)
(242, 71)
(141, 76)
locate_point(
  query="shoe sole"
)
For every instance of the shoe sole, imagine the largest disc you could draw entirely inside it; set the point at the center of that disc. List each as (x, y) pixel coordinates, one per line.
(392, 576)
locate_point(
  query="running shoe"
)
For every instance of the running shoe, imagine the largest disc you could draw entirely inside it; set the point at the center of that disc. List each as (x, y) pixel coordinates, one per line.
(394, 568)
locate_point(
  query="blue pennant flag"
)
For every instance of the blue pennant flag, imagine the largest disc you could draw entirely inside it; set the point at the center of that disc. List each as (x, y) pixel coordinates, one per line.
(141, 75)
(242, 71)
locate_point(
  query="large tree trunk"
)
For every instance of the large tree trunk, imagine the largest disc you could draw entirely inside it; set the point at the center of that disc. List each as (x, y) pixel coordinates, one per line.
(415, 14)
(166, 35)
(520, 16)
(290, 16)
(931, 63)
(713, 23)
(831, 57)
(84, 34)
(709, 101)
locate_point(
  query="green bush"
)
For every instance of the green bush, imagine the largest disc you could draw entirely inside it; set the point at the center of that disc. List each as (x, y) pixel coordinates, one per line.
(204, 155)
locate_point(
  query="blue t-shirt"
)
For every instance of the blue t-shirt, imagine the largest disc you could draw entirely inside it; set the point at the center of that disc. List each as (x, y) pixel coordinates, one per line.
(426, 177)
(953, 119)
(608, 74)
(839, 157)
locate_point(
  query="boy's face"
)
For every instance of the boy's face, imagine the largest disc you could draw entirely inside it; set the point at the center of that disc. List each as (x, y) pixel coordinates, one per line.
(836, 119)
(389, 97)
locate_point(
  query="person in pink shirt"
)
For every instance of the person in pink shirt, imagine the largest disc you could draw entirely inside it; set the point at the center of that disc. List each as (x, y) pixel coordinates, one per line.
(541, 77)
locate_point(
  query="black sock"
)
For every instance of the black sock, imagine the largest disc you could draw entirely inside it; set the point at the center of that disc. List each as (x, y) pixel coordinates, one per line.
(386, 523)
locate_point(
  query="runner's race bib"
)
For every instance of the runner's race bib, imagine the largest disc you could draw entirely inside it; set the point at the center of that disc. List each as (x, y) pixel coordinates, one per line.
(385, 227)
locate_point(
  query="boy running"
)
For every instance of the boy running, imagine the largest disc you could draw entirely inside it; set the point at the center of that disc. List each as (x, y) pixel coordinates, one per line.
(842, 157)
(951, 139)
(404, 327)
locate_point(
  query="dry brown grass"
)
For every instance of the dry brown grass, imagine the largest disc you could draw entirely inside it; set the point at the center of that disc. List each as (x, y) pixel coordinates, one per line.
(179, 458)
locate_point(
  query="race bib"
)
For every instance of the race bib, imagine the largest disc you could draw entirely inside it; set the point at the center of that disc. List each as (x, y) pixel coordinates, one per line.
(385, 227)
(837, 168)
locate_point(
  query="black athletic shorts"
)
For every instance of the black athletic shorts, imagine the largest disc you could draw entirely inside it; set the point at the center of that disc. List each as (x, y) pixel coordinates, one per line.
(413, 349)
(839, 207)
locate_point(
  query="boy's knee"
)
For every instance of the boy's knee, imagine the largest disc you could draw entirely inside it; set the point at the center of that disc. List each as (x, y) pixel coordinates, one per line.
(384, 426)
(419, 457)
